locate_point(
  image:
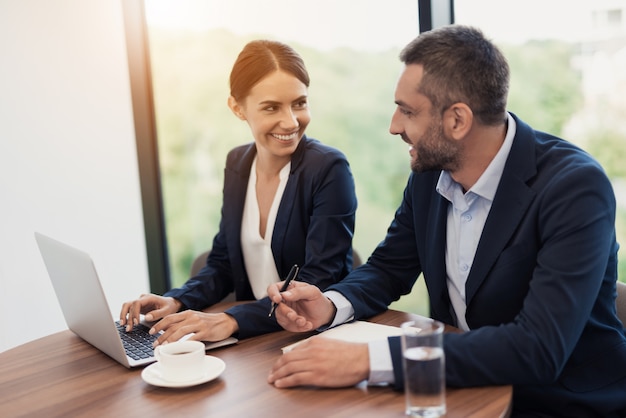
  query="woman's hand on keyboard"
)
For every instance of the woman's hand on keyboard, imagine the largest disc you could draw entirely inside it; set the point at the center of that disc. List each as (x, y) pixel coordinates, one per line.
(203, 326)
(154, 307)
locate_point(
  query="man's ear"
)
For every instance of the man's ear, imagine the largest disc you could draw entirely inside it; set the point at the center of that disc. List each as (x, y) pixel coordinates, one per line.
(236, 108)
(457, 121)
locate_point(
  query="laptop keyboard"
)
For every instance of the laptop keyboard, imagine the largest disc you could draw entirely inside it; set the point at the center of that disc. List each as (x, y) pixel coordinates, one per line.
(138, 342)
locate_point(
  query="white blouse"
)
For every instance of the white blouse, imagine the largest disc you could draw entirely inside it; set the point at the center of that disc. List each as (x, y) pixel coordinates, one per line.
(257, 251)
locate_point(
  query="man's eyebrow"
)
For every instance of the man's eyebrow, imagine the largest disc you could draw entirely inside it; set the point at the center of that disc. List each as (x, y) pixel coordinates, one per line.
(402, 104)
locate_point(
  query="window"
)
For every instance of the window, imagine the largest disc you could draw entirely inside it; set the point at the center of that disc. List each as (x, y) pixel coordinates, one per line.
(351, 51)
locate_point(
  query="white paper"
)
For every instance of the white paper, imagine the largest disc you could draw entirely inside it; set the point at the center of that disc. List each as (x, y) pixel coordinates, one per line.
(357, 332)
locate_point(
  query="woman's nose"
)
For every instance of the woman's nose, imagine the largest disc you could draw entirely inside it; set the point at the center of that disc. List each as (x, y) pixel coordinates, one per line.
(289, 120)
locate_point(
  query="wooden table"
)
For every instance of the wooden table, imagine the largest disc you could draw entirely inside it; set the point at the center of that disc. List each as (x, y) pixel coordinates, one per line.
(62, 376)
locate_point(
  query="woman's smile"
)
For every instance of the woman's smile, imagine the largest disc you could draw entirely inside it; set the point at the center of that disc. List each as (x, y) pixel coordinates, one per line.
(286, 137)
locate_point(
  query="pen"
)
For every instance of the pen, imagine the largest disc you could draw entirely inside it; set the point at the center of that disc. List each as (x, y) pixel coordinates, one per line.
(293, 273)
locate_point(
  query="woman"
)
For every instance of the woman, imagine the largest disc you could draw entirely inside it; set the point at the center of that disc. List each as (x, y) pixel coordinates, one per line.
(288, 200)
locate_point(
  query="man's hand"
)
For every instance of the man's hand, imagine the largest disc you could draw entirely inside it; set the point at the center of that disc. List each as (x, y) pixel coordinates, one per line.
(302, 307)
(321, 362)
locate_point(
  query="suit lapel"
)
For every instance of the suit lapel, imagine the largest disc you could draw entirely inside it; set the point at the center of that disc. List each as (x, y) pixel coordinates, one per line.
(435, 267)
(235, 189)
(285, 209)
(509, 206)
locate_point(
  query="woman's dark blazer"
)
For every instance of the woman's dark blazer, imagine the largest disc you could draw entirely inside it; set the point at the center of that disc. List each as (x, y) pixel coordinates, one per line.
(314, 228)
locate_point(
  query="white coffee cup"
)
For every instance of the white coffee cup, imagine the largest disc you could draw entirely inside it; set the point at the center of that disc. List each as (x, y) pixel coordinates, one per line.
(181, 361)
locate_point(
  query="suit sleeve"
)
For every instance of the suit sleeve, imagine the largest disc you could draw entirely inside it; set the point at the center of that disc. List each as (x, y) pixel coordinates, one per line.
(212, 283)
(216, 279)
(390, 271)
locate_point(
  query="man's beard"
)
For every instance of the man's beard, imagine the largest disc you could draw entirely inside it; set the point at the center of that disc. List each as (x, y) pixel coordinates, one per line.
(435, 151)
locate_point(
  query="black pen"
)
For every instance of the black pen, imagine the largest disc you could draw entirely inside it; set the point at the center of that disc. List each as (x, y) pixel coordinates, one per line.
(293, 273)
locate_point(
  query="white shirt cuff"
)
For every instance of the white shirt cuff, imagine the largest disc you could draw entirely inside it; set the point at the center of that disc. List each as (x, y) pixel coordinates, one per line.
(381, 366)
(345, 311)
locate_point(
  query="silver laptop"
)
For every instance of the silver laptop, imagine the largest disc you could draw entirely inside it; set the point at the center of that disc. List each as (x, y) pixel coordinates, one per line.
(85, 308)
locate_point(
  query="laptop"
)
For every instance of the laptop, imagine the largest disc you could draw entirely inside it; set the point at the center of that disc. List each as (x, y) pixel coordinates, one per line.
(85, 308)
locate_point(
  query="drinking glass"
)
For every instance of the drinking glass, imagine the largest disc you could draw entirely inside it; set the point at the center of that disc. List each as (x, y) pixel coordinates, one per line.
(424, 368)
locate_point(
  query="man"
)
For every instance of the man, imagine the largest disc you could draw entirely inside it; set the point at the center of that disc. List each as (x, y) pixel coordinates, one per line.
(514, 232)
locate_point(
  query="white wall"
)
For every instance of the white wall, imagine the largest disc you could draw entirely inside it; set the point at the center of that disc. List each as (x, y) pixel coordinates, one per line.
(68, 163)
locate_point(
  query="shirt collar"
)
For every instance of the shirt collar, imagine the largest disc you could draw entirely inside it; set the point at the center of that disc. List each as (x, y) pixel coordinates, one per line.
(487, 183)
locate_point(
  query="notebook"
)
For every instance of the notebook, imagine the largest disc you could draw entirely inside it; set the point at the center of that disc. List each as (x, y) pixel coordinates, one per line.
(356, 332)
(85, 308)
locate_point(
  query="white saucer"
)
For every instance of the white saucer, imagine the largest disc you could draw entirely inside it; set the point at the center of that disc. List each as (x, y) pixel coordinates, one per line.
(213, 367)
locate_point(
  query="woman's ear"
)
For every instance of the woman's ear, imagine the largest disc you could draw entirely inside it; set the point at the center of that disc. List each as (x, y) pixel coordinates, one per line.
(457, 120)
(236, 108)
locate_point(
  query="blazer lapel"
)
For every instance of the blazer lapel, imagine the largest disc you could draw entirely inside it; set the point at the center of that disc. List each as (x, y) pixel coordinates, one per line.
(235, 189)
(509, 206)
(285, 209)
(435, 267)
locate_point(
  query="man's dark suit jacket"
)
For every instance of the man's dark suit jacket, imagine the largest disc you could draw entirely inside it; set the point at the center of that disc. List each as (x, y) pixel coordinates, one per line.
(541, 292)
(314, 228)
